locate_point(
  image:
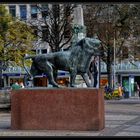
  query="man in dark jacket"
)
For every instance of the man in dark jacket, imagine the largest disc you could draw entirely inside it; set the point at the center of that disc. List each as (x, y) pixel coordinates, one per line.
(94, 71)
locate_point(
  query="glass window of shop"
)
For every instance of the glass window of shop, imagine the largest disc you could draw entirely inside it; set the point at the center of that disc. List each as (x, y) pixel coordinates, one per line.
(13, 80)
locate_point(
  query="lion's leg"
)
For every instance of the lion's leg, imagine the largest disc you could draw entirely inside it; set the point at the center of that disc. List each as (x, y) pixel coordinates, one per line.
(49, 71)
(55, 74)
(72, 78)
(51, 79)
(86, 79)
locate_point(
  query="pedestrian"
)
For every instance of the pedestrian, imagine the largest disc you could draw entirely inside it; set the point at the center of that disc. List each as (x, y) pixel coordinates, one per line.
(93, 72)
(136, 89)
(139, 93)
(120, 91)
(106, 88)
(15, 85)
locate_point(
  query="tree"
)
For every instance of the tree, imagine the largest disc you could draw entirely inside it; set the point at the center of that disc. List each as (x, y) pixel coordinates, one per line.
(57, 20)
(15, 40)
(111, 22)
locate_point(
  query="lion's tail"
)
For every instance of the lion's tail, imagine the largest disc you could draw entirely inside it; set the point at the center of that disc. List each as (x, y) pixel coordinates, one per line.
(23, 62)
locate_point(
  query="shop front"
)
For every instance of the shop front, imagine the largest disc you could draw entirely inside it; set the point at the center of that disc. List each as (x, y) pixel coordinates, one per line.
(127, 80)
(10, 78)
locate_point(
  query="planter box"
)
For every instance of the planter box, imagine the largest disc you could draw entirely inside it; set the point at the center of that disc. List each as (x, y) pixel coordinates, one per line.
(57, 109)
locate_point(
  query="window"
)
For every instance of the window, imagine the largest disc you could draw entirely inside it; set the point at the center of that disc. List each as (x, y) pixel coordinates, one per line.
(44, 51)
(38, 51)
(44, 33)
(12, 10)
(33, 11)
(44, 11)
(23, 12)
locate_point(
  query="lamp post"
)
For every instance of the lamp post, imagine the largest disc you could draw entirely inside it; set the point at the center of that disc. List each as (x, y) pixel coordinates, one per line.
(114, 62)
(99, 71)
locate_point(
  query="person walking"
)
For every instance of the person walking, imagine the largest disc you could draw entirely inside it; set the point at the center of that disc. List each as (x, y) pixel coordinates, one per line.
(93, 72)
(136, 89)
(139, 93)
(120, 91)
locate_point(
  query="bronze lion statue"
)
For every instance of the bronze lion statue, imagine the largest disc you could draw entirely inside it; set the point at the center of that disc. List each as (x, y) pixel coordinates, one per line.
(76, 60)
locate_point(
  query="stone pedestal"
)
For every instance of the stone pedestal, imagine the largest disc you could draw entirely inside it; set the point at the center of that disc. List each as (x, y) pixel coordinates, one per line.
(57, 109)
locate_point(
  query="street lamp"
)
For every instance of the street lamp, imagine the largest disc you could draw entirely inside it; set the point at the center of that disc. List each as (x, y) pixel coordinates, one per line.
(114, 61)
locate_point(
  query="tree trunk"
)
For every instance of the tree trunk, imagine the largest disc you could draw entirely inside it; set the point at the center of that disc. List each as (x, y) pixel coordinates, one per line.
(109, 74)
(109, 68)
(55, 74)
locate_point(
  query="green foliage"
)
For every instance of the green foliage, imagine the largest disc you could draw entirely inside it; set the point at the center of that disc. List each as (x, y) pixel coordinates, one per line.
(16, 38)
(111, 95)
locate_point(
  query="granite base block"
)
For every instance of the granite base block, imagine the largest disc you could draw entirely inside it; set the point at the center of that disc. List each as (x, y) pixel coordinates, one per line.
(57, 109)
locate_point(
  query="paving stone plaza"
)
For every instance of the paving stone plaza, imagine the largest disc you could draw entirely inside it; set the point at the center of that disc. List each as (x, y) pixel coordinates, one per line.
(122, 118)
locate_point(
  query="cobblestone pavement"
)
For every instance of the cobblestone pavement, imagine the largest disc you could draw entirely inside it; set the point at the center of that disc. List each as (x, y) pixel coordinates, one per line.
(122, 118)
